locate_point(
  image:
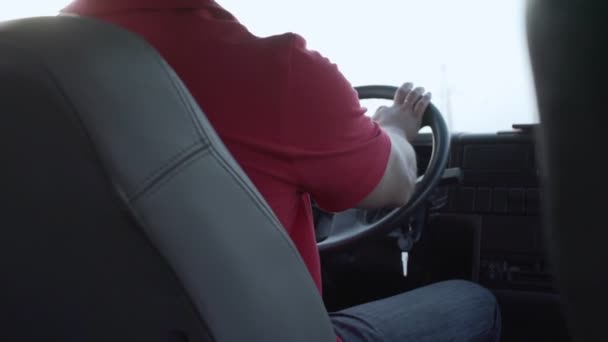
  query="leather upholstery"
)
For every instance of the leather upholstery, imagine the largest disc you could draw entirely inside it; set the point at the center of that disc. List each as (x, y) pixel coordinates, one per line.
(125, 217)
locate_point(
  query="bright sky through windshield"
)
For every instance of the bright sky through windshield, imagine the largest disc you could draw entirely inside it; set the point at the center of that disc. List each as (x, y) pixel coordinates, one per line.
(470, 53)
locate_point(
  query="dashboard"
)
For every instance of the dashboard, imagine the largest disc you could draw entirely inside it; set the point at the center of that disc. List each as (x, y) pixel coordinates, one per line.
(497, 196)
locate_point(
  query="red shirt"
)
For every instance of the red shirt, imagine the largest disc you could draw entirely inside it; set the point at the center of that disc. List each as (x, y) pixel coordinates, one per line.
(287, 114)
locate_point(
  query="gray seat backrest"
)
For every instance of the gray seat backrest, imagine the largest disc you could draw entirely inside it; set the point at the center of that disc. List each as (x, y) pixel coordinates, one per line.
(124, 216)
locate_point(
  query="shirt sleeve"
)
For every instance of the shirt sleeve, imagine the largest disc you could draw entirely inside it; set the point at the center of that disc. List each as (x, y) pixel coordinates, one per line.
(338, 153)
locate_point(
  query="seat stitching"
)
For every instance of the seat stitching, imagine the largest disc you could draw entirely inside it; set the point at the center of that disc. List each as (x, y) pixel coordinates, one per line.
(171, 172)
(167, 165)
(175, 171)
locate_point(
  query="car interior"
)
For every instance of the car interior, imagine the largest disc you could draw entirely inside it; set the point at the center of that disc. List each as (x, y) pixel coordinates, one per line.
(123, 211)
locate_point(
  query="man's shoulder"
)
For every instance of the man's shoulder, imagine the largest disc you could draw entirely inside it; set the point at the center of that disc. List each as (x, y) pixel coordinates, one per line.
(290, 44)
(285, 43)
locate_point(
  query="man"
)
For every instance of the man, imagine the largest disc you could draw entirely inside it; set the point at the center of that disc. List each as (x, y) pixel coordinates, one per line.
(296, 127)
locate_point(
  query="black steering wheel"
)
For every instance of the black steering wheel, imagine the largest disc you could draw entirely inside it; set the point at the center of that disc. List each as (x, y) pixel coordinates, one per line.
(354, 225)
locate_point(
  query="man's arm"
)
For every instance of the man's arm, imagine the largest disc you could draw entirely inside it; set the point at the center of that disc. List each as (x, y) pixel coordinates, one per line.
(397, 184)
(401, 122)
(337, 154)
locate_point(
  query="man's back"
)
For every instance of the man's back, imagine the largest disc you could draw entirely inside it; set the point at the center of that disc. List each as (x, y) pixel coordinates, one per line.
(286, 114)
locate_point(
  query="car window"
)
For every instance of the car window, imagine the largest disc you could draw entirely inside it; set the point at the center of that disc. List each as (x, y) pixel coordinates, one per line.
(471, 54)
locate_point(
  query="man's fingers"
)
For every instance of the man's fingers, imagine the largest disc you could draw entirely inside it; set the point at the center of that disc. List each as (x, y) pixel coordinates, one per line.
(412, 98)
(422, 104)
(402, 93)
(381, 108)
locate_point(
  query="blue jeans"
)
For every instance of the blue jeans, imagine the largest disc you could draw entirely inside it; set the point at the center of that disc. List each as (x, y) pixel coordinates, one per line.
(453, 310)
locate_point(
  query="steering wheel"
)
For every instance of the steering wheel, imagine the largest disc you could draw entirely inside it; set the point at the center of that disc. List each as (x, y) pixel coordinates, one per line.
(354, 225)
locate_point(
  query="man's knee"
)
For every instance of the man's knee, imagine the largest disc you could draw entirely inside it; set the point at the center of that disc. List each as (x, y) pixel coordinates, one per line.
(481, 307)
(469, 288)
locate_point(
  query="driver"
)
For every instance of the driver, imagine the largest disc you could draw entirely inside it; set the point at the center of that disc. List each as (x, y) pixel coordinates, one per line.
(296, 126)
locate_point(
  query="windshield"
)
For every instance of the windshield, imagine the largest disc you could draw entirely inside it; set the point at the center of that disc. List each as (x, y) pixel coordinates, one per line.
(471, 54)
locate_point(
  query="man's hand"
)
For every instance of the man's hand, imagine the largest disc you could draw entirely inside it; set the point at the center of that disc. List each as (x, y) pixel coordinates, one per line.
(406, 112)
(401, 122)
